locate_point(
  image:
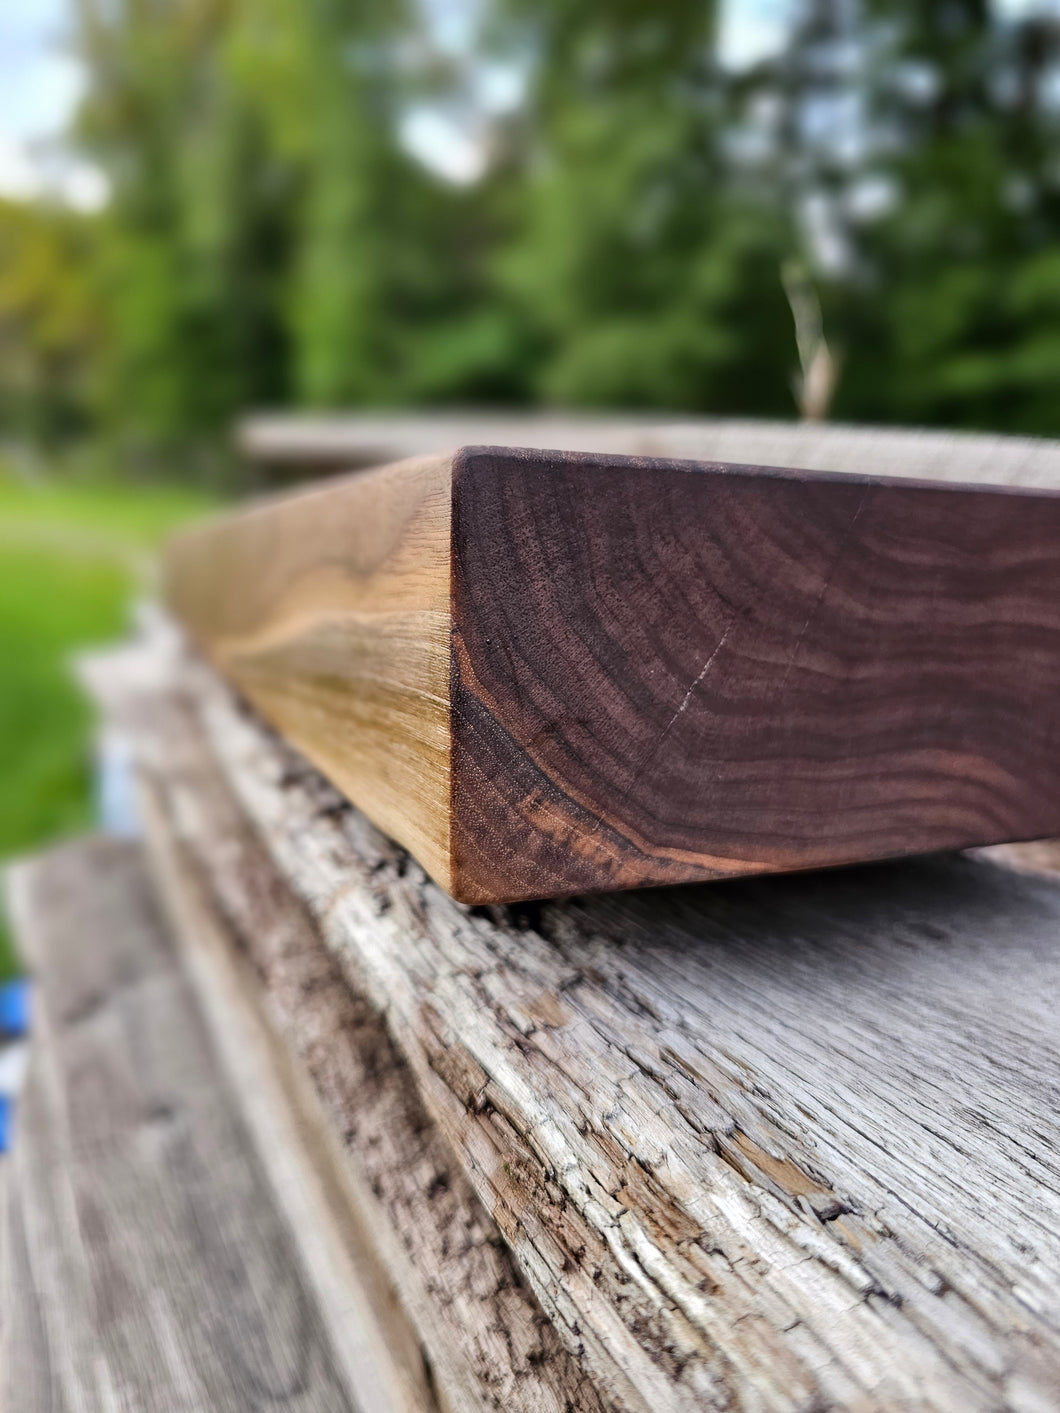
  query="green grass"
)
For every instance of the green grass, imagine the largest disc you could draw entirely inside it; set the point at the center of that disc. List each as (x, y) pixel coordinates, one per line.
(139, 516)
(70, 557)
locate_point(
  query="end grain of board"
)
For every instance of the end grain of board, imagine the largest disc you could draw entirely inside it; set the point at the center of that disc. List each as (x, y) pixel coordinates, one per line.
(547, 672)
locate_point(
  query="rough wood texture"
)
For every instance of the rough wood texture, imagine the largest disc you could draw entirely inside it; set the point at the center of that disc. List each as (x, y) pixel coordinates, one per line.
(484, 1338)
(548, 673)
(331, 1216)
(786, 1144)
(314, 444)
(149, 1264)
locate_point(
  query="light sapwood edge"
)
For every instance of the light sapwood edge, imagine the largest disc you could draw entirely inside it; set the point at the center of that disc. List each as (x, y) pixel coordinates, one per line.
(340, 633)
(853, 1288)
(1040, 858)
(298, 1149)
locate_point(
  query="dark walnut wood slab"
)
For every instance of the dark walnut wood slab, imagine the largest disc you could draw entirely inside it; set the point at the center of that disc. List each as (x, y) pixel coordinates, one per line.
(548, 673)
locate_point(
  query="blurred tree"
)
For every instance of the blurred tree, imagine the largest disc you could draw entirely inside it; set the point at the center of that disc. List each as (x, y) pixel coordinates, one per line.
(198, 227)
(647, 275)
(641, 212)
(387, 279)
(333, 114)
(961, 285)
(798, 137)
(49, 320)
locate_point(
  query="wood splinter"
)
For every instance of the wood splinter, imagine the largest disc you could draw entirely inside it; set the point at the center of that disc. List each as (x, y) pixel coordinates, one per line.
(547, 673)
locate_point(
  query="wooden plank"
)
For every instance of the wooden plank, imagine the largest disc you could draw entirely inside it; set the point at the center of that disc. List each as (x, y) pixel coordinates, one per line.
(547, 673)
(332, 1217)
(150, 1264)
(483, 1337)
(782, 1144)
(314, 444)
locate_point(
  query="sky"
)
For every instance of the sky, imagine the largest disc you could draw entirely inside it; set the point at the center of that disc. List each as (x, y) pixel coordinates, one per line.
(41, 82)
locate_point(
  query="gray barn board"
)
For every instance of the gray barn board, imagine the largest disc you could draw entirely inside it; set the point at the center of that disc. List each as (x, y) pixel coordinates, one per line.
(312, 444)
(484, 1342)
(150, 1264)
(787, 1144)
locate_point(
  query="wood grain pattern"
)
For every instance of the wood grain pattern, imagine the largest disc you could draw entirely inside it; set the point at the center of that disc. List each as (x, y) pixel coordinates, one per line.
(484, 1341)
(331, 611)
(552, 673)
(780, 1144)
(483, 1336)
(149, 1264)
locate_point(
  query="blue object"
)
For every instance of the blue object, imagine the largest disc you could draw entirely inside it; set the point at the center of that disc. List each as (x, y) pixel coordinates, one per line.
(14, 1008)
(7, 1109)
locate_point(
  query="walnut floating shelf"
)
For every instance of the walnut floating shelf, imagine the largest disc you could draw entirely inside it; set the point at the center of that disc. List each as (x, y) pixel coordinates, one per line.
(547, 673)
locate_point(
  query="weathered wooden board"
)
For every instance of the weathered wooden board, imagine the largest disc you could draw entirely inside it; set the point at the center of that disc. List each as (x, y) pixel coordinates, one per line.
(482, 1335)
(315, 444)
(150, 1263)
(546, 673)
(780, 1144)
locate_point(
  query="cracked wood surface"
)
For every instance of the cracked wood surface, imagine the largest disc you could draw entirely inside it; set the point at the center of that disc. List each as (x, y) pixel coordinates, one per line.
(149, 1263)
(484, 1338)
(552, 672)
(781, 1144)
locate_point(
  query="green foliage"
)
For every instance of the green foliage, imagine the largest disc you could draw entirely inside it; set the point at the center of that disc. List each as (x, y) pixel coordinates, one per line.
(67, 560)
(197, 232)
(122, 521)
(269, 239)
(649, 279)
(49, 601)
(49, 319)
(962, 291)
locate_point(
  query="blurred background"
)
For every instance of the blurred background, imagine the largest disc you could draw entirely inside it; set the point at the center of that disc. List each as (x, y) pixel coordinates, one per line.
(844, 209)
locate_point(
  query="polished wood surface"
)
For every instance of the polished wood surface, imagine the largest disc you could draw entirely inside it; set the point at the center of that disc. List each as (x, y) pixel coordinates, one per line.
(549, 673)
(330, 610)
